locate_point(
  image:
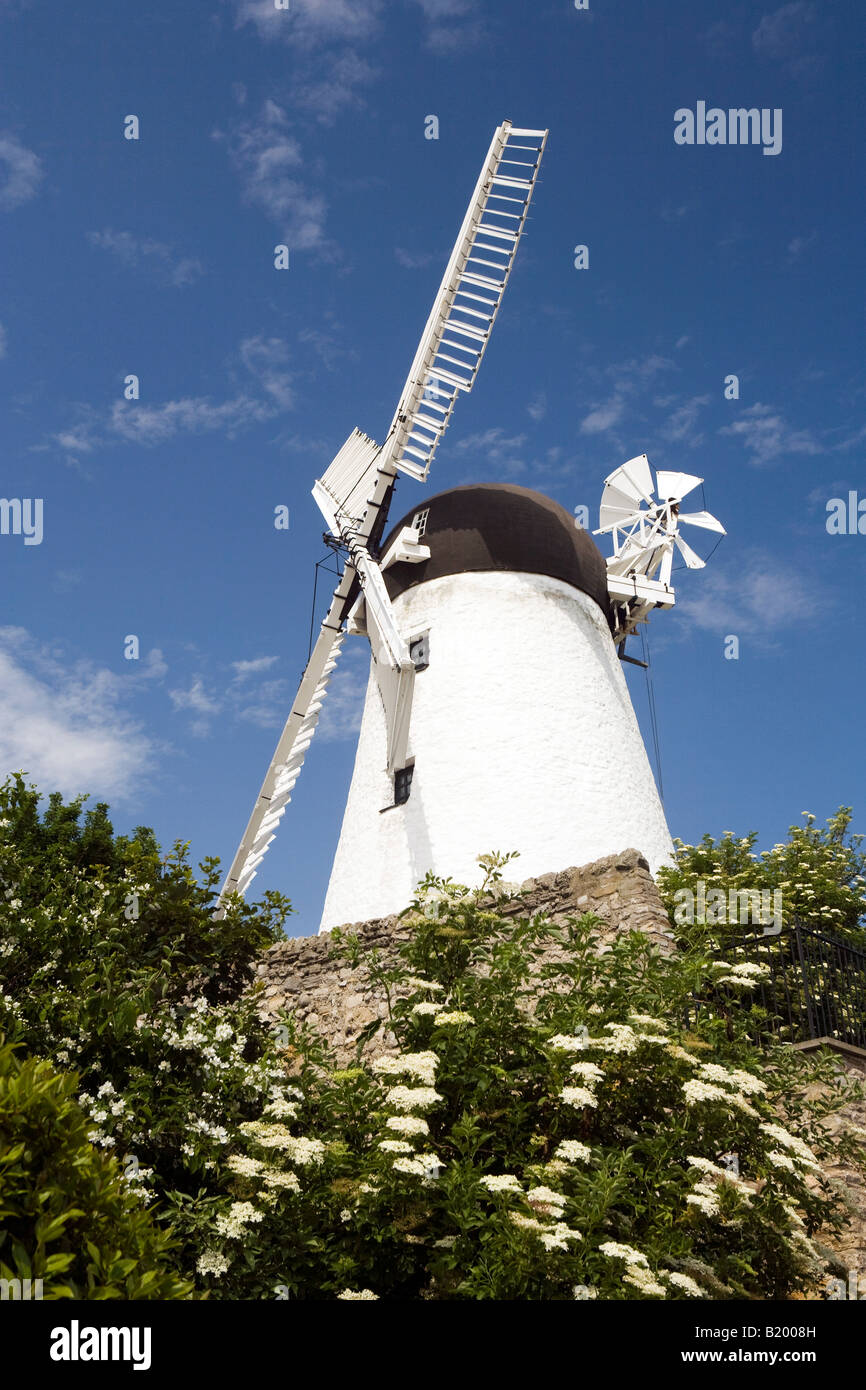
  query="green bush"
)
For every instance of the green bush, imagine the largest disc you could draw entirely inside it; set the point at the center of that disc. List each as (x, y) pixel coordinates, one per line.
(819, 874)
(548, 1129)
(67, 1214)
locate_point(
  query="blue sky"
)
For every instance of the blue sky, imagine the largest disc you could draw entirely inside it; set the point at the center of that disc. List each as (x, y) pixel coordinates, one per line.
(155, 257)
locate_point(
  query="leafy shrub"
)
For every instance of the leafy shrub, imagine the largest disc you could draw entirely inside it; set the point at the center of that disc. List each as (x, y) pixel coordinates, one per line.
(819, 874)
(67, 1215)
(546, 1130)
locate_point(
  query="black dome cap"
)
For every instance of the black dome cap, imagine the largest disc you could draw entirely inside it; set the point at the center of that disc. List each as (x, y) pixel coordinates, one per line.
(499, 526)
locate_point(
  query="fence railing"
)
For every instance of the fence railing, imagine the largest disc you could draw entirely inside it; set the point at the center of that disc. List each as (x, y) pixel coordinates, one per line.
(816, 987)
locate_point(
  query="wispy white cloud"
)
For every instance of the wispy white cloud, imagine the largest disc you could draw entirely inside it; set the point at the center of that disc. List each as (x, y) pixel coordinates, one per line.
(798, 245)
(156, 258)
(154, 424)
(452, 25)
(537, 408)
(199, 703)
(337, 86)
(266, 359)
(267, 158)
(495, 449)
(630, 379)
(65, 722)
(681, 423)
(413, 260)
(253, 667)
(744, 599)
(787, 36)
(310, 23)
(21, 172)
(766, 435)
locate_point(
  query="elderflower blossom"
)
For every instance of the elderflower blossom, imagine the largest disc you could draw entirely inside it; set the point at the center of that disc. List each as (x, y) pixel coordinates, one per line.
(572, 1151)
(282, 1109)
(704, 1202)
(647, 1021)
(686, 1283)
(526, 1223)
(408, 1124)
(578, 1096)
(780, 1160)
(790, 1141)
(425, 1007)
(681, 1055)
(412, 1098)
(395, 1146)
(212, 1262)
(545, 1200)
(275, 1178)
(614, 1251)
(245, 1167)
(421, 1066)
(590, 1071)
(234, 1223)
(557, 1236)
(501, 1182)
(457, 1016)
(417, 983)
(421, 1167)
(358, 1296)
(564, 1042)
(743, 1080)
(695, 1091)
(643, 1281)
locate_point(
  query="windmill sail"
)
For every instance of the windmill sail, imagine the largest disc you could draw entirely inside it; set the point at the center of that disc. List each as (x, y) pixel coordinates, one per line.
(354, 491)
(464, 311)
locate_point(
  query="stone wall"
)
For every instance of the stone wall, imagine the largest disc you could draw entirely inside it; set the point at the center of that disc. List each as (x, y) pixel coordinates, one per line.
(306, 975)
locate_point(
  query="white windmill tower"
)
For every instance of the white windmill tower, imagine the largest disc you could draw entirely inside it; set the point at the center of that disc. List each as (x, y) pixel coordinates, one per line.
(496, 714)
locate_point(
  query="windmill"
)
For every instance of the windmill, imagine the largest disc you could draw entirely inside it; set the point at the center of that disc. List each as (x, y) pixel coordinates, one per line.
(646, 530)
(355, 492)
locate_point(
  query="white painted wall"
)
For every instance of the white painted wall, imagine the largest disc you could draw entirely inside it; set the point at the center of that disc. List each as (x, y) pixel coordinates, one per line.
(524, 737)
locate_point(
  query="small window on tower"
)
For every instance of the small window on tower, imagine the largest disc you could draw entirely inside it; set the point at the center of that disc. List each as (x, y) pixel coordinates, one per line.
(419, 650)
(419, 521)
(402, 785)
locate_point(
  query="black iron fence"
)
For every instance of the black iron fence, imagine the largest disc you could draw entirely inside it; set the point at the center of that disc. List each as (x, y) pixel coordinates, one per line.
(815, 987)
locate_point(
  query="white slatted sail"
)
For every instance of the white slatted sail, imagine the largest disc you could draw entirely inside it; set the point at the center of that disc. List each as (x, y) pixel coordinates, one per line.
(343, 488)
(357, 485)
(465, 309)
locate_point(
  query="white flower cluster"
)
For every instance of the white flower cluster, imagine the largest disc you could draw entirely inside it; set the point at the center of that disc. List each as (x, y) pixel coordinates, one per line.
(797, 1147)
(412, 1098)
(501, 1182)
(565, 1042)
(407, 1124)
(457, 1016)
(212, 1262)
(425, 1007)
(742, 1080)
(244, 1166)
(695, 1091)
(240, 1215)
(704, 1198)
(572, 1151)
(578, 1096)
(589, 1071)
(358, 1296)
(425, 1166)
(421, 1066)
(557, 1236)
(395, 1146)
(415, 983)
